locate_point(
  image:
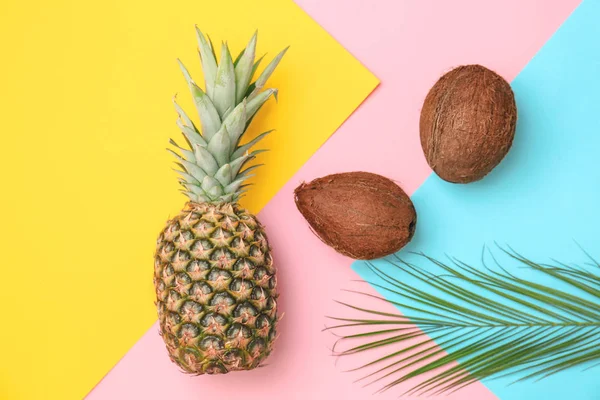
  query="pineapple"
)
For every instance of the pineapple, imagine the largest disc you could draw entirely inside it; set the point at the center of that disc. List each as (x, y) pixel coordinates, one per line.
(216, 290)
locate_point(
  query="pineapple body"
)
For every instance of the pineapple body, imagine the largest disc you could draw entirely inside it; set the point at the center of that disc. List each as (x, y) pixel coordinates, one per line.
(216, 289)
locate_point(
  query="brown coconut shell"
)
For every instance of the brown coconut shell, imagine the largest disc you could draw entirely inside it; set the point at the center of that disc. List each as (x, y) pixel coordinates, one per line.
(360, 214)
(468, 123)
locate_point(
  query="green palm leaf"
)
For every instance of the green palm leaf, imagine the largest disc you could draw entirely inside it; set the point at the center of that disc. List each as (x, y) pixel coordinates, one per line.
(467, 324)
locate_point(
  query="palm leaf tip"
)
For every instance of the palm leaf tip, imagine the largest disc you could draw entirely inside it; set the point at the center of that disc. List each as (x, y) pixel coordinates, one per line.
(476, 323)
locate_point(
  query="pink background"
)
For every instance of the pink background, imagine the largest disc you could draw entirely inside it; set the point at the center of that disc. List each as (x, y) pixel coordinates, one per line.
(407, 44)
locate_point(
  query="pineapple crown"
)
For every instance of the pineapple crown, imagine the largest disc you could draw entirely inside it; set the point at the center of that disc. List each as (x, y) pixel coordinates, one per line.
(212, 167)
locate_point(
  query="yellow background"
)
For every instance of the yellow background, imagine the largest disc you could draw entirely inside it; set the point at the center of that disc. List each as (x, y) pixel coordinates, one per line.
(85, 94)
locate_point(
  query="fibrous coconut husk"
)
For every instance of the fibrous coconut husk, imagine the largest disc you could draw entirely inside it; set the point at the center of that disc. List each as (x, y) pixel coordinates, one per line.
(360, 214)
(467, 123)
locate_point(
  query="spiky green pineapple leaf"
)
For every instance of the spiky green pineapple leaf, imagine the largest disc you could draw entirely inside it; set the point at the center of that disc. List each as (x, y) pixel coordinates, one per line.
(223, 175)
(187, 177)
(194, 170)
(244, 68)
(469, 324)
(238, 58)
(206, 161)
(192, 137)
(193, 188)
(188, 155)
(211, 187)
(238, 163)
(241, 150)
(235, 185)
(208, 60)
(190, 195)
(266, 74)
(209, 115)
(224, 94)
(220, 145)
(182, 115)
(236, 124)
(245, 174)
(254, 69)
(253, 105)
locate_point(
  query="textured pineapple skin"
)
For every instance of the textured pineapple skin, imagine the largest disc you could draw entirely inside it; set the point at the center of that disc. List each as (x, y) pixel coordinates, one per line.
(216, 289)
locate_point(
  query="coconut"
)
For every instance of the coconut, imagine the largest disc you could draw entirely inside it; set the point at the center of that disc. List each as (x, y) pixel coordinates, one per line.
(467, 123)
(360, 214)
